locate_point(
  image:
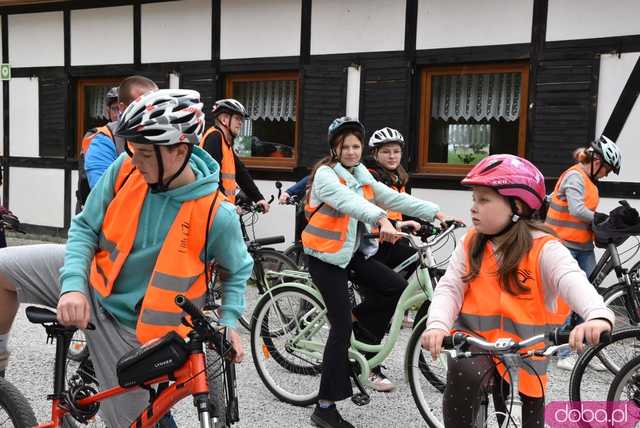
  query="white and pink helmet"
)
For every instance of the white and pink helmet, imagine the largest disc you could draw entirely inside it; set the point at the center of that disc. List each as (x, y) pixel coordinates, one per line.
(510, 176)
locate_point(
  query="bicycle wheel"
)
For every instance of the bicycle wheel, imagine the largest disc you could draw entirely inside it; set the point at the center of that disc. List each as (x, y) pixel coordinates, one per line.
(426, 377)
(617, 299)
(589, 384)
(290, 362)
(217, 391)
(271, 260)
(626, 384)
(15, 410)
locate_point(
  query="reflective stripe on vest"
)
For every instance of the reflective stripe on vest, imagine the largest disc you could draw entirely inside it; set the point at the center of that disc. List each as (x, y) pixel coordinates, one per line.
(89, 136)
(571, 229)
(327, 228)
(227, 166)
(178, 269)
(395, 215)
(491, 312)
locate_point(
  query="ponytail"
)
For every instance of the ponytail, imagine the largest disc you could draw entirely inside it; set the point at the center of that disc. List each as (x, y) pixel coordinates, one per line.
(583, 155)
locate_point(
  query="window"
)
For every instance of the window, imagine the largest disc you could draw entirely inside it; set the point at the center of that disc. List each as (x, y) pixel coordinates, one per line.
(470, 112)
(91, 94)
(269, 138)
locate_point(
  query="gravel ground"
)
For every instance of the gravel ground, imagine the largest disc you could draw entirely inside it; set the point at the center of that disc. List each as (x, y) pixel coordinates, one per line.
(31, 371)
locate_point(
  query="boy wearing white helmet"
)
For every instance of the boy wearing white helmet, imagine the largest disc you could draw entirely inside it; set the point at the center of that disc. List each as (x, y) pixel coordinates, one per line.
(154, 218)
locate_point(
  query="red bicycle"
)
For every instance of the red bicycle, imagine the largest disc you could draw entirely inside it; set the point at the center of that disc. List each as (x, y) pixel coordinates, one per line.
(176, 366)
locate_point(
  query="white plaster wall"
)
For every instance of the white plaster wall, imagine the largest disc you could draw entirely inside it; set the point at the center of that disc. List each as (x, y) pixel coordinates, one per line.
(23, 117)
(454, 23)
(163, 38)
(280, 219)
(36, 39)
(339, 26)
(353, 92)
(31, 189)
(251, 29)
(586, 19)
(102, 36)
(614, 73)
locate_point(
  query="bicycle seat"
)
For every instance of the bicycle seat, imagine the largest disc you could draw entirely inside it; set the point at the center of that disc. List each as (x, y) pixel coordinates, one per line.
(38, 315)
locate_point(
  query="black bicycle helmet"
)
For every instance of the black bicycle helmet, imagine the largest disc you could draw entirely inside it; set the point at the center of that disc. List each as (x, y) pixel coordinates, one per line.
(342, 124)
(621, 223)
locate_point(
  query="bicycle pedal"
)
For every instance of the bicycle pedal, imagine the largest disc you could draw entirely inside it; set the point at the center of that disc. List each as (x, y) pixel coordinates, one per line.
(361, 399)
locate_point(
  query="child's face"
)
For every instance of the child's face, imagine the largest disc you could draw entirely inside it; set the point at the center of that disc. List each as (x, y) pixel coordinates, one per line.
(144, 158)
(389, 156)
(490, 211)
(350, 151)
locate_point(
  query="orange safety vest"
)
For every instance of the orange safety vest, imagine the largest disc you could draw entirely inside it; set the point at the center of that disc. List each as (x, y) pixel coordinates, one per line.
(395, 215)
(327, 228)
(178, 269)
(491, 312)
(567, 227)
(90, 135)
(227, 167)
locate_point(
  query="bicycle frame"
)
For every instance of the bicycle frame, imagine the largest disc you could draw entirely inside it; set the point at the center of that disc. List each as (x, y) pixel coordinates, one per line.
(190, 379)
(418, 290)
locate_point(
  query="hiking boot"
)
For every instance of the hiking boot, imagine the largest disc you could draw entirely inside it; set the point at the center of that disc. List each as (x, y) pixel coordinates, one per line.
(380, 382)
(329, 418)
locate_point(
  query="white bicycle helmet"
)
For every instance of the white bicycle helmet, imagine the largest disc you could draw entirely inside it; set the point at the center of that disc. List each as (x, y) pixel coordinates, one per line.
(164, 118)
(384, 136)
(609, 152)
(231, 106)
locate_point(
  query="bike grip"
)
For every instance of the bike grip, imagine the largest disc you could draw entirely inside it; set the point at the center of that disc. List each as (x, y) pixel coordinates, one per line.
(450, 342)
(371, 236)
(560, 337)
(188, 306)
(270, 240)
(447, 342)
(605, 337)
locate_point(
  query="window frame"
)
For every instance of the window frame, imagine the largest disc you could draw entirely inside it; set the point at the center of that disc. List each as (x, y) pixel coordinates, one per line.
(425, 167)
(266, 163)
(81, 84)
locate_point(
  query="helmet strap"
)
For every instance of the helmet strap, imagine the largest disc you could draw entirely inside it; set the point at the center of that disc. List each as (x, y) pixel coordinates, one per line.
(161, 186)
(594, 175)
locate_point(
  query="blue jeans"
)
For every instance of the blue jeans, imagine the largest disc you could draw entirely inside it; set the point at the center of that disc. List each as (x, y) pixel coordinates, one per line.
(587, 262)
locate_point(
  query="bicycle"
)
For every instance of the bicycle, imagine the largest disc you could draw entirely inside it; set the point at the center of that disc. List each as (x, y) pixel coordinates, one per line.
(176, 365)
(267, 261)
(513, 355)
(290, 328)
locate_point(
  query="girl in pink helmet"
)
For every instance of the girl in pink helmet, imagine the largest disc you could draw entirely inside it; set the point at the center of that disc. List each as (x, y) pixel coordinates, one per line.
(512, 272)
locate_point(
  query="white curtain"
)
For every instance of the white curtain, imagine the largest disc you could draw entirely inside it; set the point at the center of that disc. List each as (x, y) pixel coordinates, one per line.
(94, 101)
(476, 96)
(268, 99)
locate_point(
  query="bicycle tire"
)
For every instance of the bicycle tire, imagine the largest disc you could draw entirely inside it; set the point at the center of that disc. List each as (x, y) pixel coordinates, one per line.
(297, 254)
(269, 257)
(217, 391)
(624, 340)
(416, 366)
(268, 350)
(16, 406)
(622, 379)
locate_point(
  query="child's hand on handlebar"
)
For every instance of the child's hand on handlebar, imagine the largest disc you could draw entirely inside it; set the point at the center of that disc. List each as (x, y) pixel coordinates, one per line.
(588, 331)
(387, 231)
(445, 219)
(284, 198)
(431, 340)
(414, 225)
(264, 205)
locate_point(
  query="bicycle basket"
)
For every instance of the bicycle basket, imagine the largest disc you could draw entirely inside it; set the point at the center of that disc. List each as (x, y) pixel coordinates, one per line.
(154, 359)
(621, 223)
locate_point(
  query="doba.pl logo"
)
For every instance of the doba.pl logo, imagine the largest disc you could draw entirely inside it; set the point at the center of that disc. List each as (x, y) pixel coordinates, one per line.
(594, 414)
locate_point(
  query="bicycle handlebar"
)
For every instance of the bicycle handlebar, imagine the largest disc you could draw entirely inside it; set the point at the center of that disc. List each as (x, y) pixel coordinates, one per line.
(203, 326)
(556, 337)
(418, 241)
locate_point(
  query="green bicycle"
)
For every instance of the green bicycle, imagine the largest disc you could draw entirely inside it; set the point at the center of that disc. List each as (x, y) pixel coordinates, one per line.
(289, 331)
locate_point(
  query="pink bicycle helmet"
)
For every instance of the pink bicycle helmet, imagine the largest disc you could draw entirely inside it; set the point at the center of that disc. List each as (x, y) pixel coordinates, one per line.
(511, 176)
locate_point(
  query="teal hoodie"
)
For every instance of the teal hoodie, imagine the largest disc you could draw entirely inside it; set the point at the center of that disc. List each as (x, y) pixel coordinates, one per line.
(225, 242)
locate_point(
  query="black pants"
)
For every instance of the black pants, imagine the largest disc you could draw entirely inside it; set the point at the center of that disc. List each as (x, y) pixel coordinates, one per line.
(383, 288)
(394, 254)
(461, 399)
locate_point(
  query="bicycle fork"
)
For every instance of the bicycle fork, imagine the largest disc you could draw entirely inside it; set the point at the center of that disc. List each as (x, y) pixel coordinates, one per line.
(513, 402)
(201, 402)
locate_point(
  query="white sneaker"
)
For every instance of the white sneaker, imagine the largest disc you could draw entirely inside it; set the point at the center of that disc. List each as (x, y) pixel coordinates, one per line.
(380, 382)
(567, 363)
(597, 365)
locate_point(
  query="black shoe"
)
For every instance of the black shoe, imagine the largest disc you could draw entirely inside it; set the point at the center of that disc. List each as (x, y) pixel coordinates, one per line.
(362, 334)
(329, 418)
(2, 373)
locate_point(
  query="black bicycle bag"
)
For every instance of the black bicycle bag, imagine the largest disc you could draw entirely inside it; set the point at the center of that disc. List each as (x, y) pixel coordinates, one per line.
(154, 359)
